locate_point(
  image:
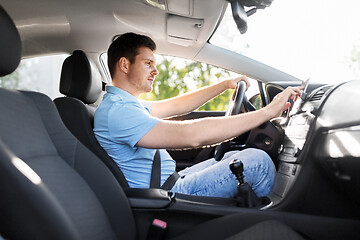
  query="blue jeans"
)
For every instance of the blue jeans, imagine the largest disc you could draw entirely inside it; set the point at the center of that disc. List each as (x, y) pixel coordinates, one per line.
(214, 178)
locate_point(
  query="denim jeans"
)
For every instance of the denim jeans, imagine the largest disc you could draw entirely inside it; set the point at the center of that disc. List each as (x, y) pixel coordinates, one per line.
(214, 178)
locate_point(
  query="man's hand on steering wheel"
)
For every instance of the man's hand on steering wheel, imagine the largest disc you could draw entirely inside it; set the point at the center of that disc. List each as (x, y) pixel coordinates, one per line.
(237, 100)
(232, 83)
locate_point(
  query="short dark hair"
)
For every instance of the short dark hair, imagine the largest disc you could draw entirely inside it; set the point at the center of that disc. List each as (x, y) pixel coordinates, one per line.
(127, 45)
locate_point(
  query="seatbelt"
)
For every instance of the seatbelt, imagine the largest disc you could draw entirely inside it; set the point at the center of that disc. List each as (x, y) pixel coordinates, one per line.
(155, 171)
(156, 174)
(170, 181)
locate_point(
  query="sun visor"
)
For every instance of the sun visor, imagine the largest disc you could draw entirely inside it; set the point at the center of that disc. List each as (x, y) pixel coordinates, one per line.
(183, 30)
(178, 7)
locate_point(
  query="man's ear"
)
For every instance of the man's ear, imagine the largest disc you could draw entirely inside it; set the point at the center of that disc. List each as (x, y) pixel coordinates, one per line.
(124, 64)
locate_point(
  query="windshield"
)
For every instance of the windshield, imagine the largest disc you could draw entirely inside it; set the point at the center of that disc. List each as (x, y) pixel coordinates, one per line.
(317, 39)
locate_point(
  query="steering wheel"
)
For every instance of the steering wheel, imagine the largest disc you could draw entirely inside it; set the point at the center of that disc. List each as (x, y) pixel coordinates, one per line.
(237, 100)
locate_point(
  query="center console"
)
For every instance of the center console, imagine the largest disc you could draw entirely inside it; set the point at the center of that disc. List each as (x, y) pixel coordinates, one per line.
(296, 127)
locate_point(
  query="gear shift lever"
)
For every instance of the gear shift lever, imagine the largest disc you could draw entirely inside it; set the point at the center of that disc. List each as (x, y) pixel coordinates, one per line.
(245, 196)
(237, 168)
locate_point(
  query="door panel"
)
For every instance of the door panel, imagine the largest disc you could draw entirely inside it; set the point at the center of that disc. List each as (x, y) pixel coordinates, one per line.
(189, 157)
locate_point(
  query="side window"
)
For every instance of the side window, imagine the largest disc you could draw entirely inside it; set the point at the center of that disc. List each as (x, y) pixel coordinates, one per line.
(41, 74)
(178, 76)
(104, 65)
(256, 101)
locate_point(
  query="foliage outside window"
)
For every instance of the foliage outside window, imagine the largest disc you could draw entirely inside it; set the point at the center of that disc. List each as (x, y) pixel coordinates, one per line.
(178, 76)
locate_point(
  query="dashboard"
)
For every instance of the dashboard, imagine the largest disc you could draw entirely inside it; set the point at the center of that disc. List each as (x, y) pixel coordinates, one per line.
(316, 150)
(319, 157)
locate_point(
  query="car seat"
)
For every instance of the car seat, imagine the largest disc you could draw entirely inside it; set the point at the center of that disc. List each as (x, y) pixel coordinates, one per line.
(81, 84)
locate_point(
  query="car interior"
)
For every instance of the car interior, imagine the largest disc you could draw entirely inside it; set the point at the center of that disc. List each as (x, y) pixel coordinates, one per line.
(56, 181)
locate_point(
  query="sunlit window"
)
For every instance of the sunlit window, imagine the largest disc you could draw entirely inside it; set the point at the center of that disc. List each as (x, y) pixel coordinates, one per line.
(317, 39)
(40, 74)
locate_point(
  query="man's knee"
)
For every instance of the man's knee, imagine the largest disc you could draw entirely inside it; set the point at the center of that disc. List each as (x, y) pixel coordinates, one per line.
(252, 157)
(258, 153)
(260, 157)
(262, 173)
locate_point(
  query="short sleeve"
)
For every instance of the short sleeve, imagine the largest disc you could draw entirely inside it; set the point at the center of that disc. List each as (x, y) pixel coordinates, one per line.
(129, 122)
(147, 105)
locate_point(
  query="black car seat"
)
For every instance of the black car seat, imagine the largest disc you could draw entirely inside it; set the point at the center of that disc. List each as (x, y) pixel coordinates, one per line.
(81, 84)
(53, 187)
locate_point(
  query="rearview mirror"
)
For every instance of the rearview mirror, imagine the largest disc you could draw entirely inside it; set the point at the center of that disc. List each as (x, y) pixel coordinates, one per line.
(240, 15)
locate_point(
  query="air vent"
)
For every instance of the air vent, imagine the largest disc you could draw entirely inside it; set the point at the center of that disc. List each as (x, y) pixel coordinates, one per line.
(319, 93)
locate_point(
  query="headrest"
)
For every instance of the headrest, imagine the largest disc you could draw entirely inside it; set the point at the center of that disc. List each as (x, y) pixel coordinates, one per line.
(10, 44)
(80, 78)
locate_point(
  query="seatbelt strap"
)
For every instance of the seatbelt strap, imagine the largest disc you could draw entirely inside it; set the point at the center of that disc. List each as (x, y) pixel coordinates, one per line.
(170, 181)
(156, 175)
(156, 171)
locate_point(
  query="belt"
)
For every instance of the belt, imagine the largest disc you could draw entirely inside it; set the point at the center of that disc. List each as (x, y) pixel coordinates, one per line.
(156, 174)
(170, 181)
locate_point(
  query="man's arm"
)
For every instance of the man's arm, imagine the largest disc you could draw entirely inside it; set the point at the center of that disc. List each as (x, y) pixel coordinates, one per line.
(206, 131)
(190, 101)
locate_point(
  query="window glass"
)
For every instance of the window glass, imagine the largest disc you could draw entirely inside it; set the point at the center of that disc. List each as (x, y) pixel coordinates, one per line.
(316, 39)
(104, 66)
(178, 76)
(40, 74)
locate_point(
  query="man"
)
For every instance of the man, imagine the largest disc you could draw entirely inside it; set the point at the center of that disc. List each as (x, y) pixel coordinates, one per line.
(130, 130)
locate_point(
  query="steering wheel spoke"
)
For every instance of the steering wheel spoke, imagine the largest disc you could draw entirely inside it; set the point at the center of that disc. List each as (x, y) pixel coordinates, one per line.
(237, 102)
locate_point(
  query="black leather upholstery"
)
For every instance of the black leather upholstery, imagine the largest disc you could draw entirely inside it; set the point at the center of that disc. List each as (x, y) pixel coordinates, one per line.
(79, 73)
(10, 51)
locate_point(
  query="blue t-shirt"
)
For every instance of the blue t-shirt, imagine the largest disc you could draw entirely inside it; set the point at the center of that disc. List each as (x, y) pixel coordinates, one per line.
(120, 122)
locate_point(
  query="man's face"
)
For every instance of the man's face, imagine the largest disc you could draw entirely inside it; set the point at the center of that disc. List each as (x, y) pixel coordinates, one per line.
(143, 71)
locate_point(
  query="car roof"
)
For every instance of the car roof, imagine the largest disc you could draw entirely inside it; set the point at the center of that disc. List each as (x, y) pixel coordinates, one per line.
(50, 26)
(180, 28)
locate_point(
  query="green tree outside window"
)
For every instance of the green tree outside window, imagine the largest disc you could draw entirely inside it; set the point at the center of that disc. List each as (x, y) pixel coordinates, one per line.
(178, 76)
